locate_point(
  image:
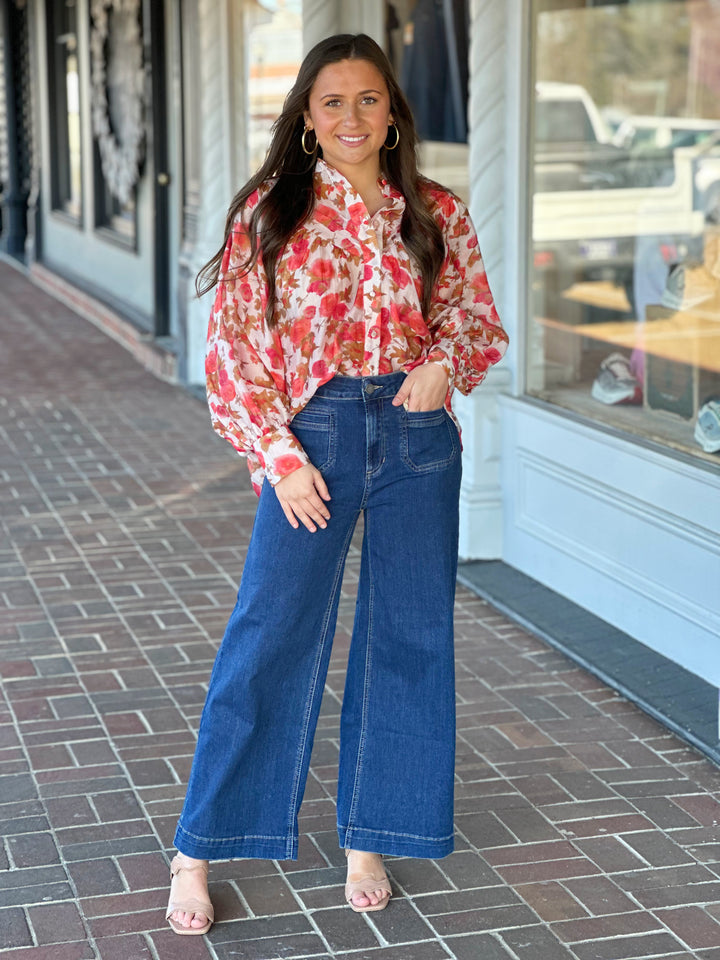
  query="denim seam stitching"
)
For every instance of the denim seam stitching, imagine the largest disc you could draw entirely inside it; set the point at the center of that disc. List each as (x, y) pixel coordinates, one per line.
(311, 419)
(332, 442)
(396, 833)
(316, 669)
(242, 836)
(381, 437)
(366, 689)
(329, 427)
(435, 465)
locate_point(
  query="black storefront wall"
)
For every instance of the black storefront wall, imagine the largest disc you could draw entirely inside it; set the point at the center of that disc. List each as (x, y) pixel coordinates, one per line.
(155, 54)
(16, 106)
(434, 72)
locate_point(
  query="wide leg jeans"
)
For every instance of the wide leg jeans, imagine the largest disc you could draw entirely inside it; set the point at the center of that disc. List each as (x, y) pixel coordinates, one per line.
(396, 768)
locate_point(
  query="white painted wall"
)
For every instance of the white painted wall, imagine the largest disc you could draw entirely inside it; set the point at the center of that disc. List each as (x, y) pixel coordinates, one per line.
(220, 64)
(323, 18)
(624, 530)
(628, 531)
(496, 156)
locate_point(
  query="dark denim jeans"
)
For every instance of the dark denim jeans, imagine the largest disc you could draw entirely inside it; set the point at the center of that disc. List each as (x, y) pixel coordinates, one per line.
(395, 791)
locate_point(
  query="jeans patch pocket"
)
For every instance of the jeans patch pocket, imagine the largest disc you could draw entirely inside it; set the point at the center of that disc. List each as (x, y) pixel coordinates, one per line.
(430, 440)
(315, 429)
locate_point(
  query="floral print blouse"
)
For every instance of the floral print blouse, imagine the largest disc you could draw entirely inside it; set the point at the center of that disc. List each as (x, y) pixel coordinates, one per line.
(348, 302)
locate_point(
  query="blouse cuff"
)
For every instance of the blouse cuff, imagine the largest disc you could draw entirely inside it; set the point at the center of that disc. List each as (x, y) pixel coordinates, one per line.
(438, 355)
(280, 452)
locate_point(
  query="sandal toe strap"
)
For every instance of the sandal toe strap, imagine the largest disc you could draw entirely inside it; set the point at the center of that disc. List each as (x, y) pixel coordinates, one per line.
(365, 884)
(191, 905)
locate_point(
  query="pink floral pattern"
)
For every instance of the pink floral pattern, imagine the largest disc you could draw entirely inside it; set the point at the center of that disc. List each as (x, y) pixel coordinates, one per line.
(348, 302)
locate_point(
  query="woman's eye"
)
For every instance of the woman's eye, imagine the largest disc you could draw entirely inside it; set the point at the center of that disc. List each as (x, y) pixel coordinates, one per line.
(336, 102)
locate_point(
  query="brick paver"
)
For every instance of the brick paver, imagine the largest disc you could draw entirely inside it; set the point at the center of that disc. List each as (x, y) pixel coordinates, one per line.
(585, 829)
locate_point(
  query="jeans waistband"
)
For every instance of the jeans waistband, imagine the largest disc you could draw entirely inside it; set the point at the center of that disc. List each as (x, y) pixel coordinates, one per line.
(359, 388)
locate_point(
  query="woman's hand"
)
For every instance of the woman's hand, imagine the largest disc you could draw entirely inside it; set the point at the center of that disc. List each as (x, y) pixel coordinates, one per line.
(301, 494)
(424, 388)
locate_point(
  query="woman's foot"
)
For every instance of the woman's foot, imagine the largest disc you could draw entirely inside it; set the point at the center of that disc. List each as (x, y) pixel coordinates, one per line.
(367, 887)
(189, 910)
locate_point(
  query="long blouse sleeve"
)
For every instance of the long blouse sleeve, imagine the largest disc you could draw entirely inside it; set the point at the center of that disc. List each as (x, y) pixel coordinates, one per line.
(245, 368)
(346, 303)
(467, 336)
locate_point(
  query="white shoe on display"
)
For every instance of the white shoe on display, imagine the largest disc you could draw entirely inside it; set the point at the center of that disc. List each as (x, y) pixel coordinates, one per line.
(615, 383)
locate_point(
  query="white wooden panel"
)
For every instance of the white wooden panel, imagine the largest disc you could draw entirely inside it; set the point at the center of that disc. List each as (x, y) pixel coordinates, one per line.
(126, 275)
(481, 499)
(489, 20)
(619, 528)
(487, 181)
(224, 164)
(488, 83)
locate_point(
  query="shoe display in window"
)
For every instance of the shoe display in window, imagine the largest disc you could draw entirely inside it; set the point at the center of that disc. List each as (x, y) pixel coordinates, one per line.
(616, 383)
(689, 285)
(707, 426)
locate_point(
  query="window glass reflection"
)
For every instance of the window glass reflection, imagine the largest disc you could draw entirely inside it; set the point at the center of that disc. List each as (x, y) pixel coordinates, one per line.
(625, 309)
(275, 54)
(116, 218)
(428, 44)
(64, 91)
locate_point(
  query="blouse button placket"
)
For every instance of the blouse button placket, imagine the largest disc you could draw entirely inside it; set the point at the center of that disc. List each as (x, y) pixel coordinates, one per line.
(373, 304)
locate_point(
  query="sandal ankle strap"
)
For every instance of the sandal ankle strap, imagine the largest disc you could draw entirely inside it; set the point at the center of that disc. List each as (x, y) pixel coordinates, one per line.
(177, 865)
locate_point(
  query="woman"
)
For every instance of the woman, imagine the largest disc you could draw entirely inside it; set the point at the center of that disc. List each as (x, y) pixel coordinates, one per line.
(351, 300)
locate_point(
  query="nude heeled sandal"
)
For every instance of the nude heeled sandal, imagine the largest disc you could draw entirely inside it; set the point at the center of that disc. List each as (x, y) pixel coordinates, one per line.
(363, 885)
(188, 906)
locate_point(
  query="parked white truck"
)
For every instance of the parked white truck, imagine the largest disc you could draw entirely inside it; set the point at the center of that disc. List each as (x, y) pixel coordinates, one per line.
(590, 211)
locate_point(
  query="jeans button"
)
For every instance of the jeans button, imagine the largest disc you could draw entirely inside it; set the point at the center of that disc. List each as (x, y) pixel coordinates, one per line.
(371, 387)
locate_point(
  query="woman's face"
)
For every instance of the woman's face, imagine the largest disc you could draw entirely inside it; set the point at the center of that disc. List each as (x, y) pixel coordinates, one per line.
(349, 110)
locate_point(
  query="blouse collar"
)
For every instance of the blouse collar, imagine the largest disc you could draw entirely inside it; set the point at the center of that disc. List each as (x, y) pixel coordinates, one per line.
(335, 190)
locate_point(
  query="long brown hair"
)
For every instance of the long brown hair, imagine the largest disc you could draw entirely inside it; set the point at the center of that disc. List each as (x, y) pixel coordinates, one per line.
(291, 199)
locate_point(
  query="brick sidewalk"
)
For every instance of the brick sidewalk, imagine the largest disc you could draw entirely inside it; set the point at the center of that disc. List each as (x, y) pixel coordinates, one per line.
(585, 830)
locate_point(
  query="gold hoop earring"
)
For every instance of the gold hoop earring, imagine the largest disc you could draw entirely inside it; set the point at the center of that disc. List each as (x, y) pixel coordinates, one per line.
(397, 137)
(304, 145)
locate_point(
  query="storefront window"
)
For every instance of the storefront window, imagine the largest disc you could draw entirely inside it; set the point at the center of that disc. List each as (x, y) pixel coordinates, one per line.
(117, 83)
(625, 302)
(115, 217)
(275, 54)
(428, 44)
(64, 91)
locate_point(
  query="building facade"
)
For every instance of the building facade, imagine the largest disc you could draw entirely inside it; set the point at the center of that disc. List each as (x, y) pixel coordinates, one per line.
(609, 283)
(586, 138)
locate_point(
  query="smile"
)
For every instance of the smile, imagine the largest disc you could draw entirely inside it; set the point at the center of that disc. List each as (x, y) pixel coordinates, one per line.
(352, 140)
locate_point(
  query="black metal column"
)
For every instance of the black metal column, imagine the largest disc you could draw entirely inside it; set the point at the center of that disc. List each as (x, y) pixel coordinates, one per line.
(154, 19)
(15, 187)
